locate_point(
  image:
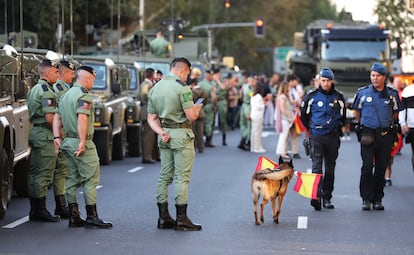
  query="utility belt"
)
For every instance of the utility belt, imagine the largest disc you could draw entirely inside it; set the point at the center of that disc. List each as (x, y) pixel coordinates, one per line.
(44, 125)
(169, 124)
(392, 129)
(75, 135)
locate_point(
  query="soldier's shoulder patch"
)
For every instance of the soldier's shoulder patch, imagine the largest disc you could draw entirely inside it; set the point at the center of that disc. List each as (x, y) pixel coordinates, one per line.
(84, 90)
(59, 87)
(84, 105)
(45, 87)
(188, 97)
(181, 82)
(48, 102)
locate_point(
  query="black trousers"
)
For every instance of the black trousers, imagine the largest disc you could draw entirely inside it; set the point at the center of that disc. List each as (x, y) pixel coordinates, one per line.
(375, 159)
(324, 150)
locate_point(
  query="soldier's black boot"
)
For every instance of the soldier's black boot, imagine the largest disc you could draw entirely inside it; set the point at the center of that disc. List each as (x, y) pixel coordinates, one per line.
(40, 213)
(208, 142)
(224, 140)
(92, 219)
(61, 207)
(75, 220)
(241, 144)
(165, 221)
(33, 207)
(183, 222)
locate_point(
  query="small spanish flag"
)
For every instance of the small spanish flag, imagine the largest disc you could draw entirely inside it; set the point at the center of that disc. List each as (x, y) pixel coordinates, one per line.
(307, 184)
(265, 163)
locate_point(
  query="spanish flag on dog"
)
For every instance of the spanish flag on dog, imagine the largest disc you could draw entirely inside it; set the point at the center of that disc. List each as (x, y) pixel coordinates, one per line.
(265, 163)
(307, 184)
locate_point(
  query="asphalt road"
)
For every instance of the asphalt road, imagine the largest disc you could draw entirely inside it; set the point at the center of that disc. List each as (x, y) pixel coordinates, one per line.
(220, 200)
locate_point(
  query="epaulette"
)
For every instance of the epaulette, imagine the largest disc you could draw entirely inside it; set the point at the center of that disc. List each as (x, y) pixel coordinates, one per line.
(312, 91)
(59, 87)
(84, 90)
(181, 82)
(362, 88)
(45, 87)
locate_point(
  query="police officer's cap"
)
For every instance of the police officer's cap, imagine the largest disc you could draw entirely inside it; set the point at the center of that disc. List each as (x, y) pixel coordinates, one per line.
(377, 67)
(326, 73)
(48, 63)
(87, 69)
(209, 71)
(67, 64)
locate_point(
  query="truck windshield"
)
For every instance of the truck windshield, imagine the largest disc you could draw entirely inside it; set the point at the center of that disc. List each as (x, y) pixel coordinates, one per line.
(353, 50)
(133, 85)
(163, 67)
(100, 78)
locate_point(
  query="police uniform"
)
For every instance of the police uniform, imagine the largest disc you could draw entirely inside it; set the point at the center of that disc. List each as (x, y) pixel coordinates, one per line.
(245, 124)
(222, 107)
(61, 169)
(323, 113)
(148, 135)
(83, 170)
(209, 111)
(41, 101)
(168, 100)
(376, 110)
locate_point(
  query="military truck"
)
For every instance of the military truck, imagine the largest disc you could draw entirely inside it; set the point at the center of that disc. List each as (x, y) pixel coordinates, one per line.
(16, 76)
(349, 48)
(110, 108)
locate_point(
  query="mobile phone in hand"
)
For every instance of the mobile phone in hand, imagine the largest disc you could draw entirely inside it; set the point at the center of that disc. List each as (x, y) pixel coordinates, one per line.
(199, 101)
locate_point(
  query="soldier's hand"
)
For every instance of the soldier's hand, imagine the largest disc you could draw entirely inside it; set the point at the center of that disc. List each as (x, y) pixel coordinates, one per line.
(80, 150)
(165, 136)
(57, 143)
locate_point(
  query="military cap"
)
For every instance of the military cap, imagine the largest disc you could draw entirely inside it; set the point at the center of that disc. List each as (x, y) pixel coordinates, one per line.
(216, 70)
(327, 73)
(48, 63)
(67, 64)
(88, 69)
(377, 67)
(209, 71)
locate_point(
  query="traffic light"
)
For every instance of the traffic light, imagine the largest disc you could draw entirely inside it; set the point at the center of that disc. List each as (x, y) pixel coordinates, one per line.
(227, 4)
(259, 28)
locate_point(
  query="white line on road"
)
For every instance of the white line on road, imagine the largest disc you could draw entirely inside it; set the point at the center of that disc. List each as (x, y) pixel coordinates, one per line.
(302, 222)
(17, 222)
(136, 169)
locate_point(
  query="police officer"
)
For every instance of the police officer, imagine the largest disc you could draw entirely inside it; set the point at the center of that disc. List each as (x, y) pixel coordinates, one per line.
(323, 113)
(148, 135)
(170, 112)
(222, 103)
(208, 85)
(376, 108)
(76, 115)
(42, 107)
(64, 82)
(246, 93)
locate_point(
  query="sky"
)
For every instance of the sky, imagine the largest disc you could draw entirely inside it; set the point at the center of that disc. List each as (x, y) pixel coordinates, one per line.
(360, 9)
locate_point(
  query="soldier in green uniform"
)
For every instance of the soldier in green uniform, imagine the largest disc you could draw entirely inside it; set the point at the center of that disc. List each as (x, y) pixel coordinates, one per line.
(76, 115)
(170, 112)
(159, 46)
(64, 82)
(245, 124)
(198, 125)
(208, 85)
(42, 107)
(148, 135)
(222, 103)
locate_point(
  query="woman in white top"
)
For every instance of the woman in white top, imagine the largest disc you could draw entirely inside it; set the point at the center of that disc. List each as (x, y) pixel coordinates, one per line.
(285, 110)
(256, 116)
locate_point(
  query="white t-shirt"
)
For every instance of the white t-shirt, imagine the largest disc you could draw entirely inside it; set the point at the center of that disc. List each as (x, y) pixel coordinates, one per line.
(257, 107)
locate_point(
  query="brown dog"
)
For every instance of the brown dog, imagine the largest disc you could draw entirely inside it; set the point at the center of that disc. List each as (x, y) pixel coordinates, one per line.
(271, 184)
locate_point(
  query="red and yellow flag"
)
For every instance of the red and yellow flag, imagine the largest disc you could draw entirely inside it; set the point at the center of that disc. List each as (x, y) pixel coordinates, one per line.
(307, 184)
(265, 163)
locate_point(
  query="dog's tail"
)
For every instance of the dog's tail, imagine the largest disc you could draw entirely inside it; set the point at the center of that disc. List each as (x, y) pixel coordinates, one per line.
(273, 175)
(256, 187)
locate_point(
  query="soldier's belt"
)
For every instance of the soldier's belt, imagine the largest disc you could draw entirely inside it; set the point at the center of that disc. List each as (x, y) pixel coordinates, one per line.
(75, 135)
(41, 125)
(176, 125)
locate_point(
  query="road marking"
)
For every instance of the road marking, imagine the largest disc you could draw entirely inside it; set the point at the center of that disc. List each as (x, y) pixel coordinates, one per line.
(136, 169)
(17, 222)
(302, 222)
(267, 133)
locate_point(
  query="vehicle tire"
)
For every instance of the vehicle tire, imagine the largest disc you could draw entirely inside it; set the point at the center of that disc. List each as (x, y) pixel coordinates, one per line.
(6, 178)
(134, 141)
(103, 142)
(21, 171)
(120, 143)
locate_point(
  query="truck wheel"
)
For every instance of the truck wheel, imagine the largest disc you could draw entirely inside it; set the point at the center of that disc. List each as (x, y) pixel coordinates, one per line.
(20, 177)
(134, 141)
(120, 144)
(103, 142)
(6, 182)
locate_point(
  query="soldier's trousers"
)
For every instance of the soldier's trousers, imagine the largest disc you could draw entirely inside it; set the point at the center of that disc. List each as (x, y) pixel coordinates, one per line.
(222, 111)
(245, 124)
(209, 120)
(61, 172)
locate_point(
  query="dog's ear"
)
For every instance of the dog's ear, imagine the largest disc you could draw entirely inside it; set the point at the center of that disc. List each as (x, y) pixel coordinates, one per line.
(291, 163)
(280, 160)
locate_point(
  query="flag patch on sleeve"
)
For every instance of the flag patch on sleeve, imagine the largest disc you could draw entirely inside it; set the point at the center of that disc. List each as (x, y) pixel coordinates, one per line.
(84, 105)
(188, 97)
